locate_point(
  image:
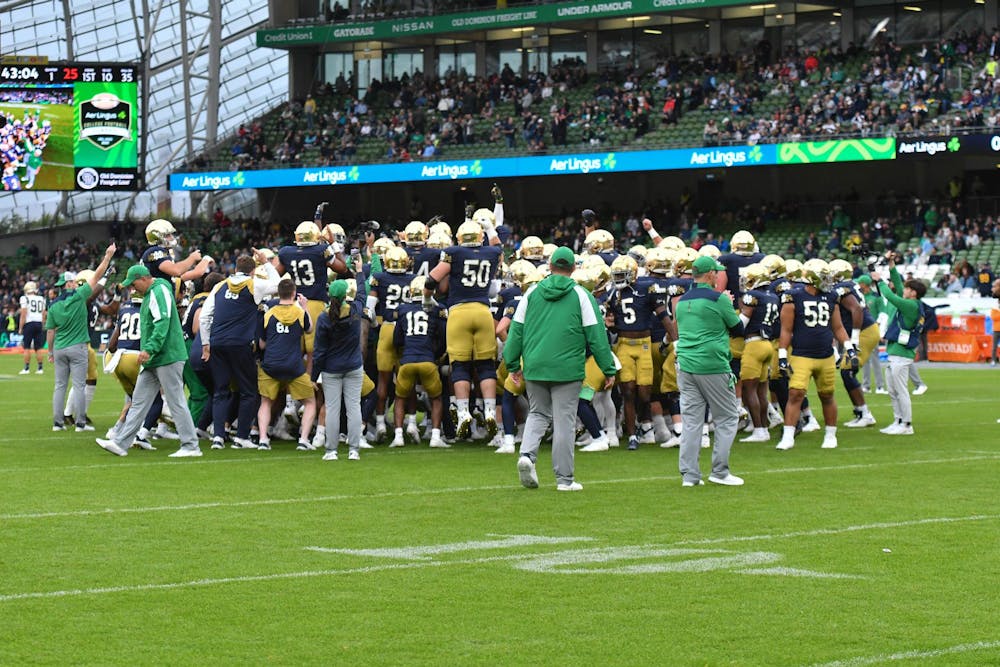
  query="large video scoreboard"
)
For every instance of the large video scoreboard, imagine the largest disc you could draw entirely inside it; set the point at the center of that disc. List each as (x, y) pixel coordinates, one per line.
(69, 126)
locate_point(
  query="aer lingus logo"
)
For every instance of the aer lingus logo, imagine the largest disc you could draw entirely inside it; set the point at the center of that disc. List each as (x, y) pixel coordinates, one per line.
(105, 120)
(354, 174)
(476, 168)
(954, 144)
(609, 161)
(239, 179)
(755, 154)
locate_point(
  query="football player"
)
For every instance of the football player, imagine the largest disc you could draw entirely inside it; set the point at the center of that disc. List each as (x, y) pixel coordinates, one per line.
(423, 258)
(600, 242)
(658, 264)
(682, 260)
(158, 257)
(386, 292)
(635, 304)
(532, 250)
(743, 253)
(863, 329)
(467, 272)
(759, 309)
(810, 322)
(32, 326)
(418, 335)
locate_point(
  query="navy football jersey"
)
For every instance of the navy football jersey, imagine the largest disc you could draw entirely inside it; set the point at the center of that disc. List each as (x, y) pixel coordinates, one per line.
(284, 328)
(844, 289)
(780, 286)
(766, 311)
(660, 286)
(187, 324)
(635, 306)
(676, 287)
(608, 257)
(235, 311)
(153, 257)
(128, 327)
(424, 260)
(811, 336)
(472, 270)
(733, 264)
(390, 288)
(511, 297)
(306, 265)
(419, 333)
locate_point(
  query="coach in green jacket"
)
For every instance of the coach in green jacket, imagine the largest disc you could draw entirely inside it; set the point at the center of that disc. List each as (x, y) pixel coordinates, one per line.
(162, 353)
(555, 324)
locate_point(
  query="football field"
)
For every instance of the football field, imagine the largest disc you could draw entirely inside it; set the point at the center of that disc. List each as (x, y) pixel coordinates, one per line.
(57, 172)
(883, 551)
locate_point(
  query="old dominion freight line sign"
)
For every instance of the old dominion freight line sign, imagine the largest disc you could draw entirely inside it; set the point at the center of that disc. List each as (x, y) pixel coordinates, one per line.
(282, 38)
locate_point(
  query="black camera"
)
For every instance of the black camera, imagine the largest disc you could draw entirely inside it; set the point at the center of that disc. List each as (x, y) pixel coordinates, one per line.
(364, 228)
(866, 254)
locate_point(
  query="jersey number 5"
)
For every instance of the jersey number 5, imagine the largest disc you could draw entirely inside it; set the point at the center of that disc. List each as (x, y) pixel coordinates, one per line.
(476, 273)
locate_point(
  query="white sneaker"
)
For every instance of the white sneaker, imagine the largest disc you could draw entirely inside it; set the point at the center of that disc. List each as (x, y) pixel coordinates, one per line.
(439, 443)
(263, 445)
(829, 441)
(728, 480)
(354, 455)
(674, 441)
(882, 390)
(112, 432)
(904, 430)
(202, 434)
(891, 429)
(398, 441)
(305, 446)
(84, 427)
(39, 372)
(584, 440)
(110, 447)
(700, 482)
(413, 433)
(331, 455)
(184, 453)
(526, 471)
(757, 436)
(142, 444)
(600, 444)
(922, 389)
(646, 436)
(811, 425)
(572, 486)
(774, 417)
(380, 432)
(861, 422)
(163, 431)
(319, 440)
(785, 445)
(218, 443)
(706, 442)
(25, 372)
(506, 448)
(243, 443)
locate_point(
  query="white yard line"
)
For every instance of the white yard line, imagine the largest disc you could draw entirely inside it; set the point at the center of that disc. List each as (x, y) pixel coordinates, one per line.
(911, 655)
(27, 516)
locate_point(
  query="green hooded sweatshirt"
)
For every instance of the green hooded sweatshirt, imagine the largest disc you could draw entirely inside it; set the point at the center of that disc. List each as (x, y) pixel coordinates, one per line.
(557, 324)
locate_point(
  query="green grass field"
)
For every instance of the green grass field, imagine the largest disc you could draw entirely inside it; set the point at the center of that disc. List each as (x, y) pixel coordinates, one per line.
(882, 551)
(57, 171)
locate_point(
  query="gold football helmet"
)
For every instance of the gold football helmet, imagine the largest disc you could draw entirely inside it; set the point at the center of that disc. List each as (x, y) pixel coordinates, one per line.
(268, 254)
(816, 272)
(161, 232)
(602, 277)
(658, 262)
(415, 234)
(585, 278)
(775, 265)
(84, 276)
(416, 290)
(439, 241)
(599, 240)
(548, 249)
(624, 271)
(31, 287)
(484, 217)
(470, 234)
(532, 249)
(743, 243)
(333, 233)
(529, 279)
(396, 260)
(593, 262)
(440, 227)
(793, 270)
(753, 276)
(671, 243)
(518, 269)
(307, 233)
(841, 269)
(638, 253)
(382, 245)
(710, 250)
(684, 259)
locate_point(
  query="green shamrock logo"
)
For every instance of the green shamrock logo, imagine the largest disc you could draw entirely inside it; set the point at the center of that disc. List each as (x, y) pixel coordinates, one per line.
(954, 144)
(238, 179)
(354, 174)
(476, 168)
(755, 154)
(609, 162)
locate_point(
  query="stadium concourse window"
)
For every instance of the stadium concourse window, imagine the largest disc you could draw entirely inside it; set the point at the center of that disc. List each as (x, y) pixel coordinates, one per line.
(402, 61)
(457, 59)
(505, 54)
(338, 71)
(905, 26)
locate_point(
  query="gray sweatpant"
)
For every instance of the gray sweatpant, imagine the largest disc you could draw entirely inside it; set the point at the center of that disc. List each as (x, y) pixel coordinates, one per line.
(346, 388)
(872, 367)
(718, 393)
(170, 379)
(555, 403)
(896, 377)
(70, 365)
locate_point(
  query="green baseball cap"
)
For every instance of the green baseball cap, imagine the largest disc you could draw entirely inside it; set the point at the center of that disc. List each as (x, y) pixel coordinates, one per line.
(704, 264)
(338, 289)
(134, 273)
(65, 277)
(865, 280)
(563, 257)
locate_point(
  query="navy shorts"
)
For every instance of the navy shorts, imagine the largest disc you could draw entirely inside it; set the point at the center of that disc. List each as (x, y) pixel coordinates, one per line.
(34, 336)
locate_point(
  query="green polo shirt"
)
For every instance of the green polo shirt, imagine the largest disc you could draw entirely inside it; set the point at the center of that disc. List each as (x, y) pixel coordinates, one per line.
(909, 308)
(704, 318)
(69, 316)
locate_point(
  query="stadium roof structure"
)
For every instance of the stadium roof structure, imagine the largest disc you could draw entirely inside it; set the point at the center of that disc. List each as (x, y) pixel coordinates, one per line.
(202, 76)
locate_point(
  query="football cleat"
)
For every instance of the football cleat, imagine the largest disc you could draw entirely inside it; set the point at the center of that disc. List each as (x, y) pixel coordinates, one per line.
(398, 441)
(861, 422)
(413, 433)
(811, 424)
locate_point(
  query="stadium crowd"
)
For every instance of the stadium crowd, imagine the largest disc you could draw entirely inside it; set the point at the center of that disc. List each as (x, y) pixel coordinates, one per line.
(416, 322)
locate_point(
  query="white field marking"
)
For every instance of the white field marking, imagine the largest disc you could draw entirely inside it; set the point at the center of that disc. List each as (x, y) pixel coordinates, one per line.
(795, 572)
(911, 655)
(561, 562)
(884, 525)
(140, 464)
(428, 492)
(425, 552)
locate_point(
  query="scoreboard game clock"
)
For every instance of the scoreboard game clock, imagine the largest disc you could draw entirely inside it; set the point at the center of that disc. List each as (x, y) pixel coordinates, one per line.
(69, 126)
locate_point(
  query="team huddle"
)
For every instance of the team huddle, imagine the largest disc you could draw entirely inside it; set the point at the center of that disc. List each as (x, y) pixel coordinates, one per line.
(322, 344)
